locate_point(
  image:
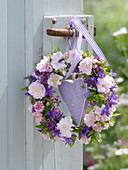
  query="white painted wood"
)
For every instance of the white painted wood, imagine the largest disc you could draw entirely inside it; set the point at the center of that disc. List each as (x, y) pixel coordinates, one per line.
(3, 86)
(15, 73)
(63, 156)
(90, 23)
(41, 155)
(33, 40)
(62, 7)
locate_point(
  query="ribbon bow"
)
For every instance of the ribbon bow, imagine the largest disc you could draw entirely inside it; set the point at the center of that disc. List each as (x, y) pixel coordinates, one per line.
(82, 31)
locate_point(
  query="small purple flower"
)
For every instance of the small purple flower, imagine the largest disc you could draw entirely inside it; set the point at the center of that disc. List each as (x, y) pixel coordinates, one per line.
(56, 132)
(60, 60)
(49, 91)
(33, 109)
(105, 111)
(27, 94)
(68, 140)
(37, 73)
(97, 57)
(85, 131)
(55, 114)
(51, 124)
(113, 74)
(40, 130)
(33, 78)
(44, 78)
(91, 82)
(91, 104)
(101, 74)
(113, 99)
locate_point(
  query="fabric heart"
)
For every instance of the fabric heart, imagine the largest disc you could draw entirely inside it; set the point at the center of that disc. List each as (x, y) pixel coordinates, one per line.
(72, 93)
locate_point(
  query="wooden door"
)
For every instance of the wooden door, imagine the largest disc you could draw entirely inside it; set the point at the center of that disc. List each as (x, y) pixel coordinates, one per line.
(22, 43)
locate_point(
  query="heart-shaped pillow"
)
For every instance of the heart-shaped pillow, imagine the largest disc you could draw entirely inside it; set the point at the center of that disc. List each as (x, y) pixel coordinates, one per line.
(73, 95)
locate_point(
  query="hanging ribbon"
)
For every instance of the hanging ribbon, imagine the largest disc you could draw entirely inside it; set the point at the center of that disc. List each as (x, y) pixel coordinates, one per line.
(76, 55)
(83, 31)
(71, 44)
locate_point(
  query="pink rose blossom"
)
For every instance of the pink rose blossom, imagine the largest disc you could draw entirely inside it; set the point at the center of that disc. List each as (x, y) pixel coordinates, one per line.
(89, 119)
(44, 65)
(106, 126)
(112, 109)
(97, 127)
(38, 117)
(37, 90)
(105, 83)
(98, 109)
(49, 67)
(39, 106)
(56, 109)
(111, 124)
(86, 66)
(70, 56)
(105, 118)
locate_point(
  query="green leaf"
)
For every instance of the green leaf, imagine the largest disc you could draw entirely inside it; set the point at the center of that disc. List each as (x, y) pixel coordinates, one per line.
(51, 135)
(82, 122)
(100, 103)
(101, 96)
(90, 98)
(92, 90)
(57, 48)
(118, 114)
(97, 136)
(77, 130)
(112, 121)
(25, 88)
(86, 53)
(39, 126)
(29, 78)
(72, 144)
(91, 133)
(45, 131)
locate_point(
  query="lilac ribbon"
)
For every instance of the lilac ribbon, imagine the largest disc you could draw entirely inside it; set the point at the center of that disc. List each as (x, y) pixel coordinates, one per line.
(76, 56)
(71, 45)
(83, 31)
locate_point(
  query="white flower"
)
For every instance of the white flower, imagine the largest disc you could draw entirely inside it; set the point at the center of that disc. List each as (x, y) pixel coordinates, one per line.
(122, 30)
(37, 90)
(65, 126)
(56, 61)
(44, 65)
(70, 56)
(54, 80)
(105, 83)
(85, 66)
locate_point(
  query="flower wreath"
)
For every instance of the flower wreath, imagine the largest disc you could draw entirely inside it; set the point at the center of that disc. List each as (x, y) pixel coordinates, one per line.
(99, 94)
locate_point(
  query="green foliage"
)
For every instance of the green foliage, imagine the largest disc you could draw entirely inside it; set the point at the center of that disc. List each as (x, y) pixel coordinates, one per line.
(110, 16)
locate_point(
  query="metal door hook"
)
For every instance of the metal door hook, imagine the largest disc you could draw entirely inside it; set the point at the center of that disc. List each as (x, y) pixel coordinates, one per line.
(63, 32)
